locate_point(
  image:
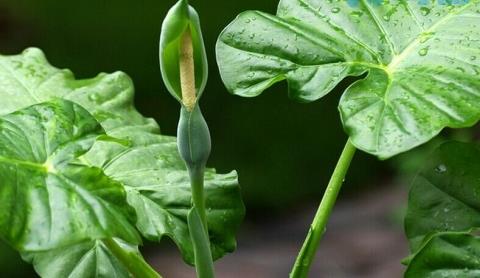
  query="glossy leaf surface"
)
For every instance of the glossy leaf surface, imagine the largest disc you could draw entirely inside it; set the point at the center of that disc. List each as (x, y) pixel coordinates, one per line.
(47, 198)
(90, 259)
(422, 64)
(144, 162)
(445, 195)
(158, 187)
(447, 255)
(28, 79)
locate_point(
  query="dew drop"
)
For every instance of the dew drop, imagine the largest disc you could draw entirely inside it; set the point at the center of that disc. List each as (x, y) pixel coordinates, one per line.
(93, 97)
(335, 10)
(473, 58)
(423, 51)
(425, 11)
(441, 168)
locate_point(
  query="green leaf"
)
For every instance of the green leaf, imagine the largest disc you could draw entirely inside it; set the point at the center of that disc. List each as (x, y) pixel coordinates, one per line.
(28, 79)
(445, 196)
(157, 183)
(422, 64)
(158, 187)
(48, 199)
(81, 260)
(180, 17)
(447, 255)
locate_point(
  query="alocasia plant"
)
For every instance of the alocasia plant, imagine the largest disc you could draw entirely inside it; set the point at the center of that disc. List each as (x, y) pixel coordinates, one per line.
(418, 69)
(84, 175)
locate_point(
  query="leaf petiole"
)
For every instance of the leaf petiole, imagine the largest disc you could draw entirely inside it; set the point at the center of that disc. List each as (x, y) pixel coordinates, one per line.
(317, 229)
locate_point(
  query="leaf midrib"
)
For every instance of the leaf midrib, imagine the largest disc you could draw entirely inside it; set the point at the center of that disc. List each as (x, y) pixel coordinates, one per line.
(28, 164)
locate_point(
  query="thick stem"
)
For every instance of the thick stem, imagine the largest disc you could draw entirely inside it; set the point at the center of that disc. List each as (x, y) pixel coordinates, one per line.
(318, 226)
(187, 71)
(135, 264)
(203, 256)
(198, 195)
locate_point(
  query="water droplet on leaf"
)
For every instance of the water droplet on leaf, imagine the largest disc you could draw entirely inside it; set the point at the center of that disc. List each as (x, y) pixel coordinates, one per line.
(423, 51)
(441, 168)
(425, 10)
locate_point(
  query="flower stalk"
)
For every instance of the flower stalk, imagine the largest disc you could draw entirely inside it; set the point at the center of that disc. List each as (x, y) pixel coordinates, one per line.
(184, 67)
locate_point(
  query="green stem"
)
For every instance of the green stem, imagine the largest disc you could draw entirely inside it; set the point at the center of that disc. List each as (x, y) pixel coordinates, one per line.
(201, 241)
(198, 195)
(318, 226)
(135, 264)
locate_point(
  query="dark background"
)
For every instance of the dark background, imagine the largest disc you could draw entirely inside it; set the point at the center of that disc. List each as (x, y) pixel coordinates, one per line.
(284, 151)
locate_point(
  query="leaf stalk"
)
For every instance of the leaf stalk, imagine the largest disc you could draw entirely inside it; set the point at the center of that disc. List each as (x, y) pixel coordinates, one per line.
(318, 227)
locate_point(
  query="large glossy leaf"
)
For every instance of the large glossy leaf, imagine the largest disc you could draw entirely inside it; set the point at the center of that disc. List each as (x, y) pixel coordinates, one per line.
(423, 64)
(145, 163)
(47, 198)
(445, 196)
(158, 187)
(447, 255)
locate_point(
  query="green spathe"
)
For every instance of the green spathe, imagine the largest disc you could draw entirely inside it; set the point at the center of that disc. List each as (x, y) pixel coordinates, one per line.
(180, 17)
(194, 142)
(422, 64)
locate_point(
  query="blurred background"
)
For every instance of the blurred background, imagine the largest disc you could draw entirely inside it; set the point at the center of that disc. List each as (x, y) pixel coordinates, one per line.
(284, 151)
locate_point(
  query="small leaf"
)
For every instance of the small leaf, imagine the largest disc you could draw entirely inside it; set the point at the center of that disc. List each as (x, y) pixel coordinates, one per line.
(48, 199)
(180, 17)
(422, 69)
(445, 196)
(447, 255)
(85, 259)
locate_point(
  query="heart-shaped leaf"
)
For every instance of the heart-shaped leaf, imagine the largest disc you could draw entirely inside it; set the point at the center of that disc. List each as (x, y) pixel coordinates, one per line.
(423, 64)
(447, 255)
(445, 196)
(48, 199)
(157, 184)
